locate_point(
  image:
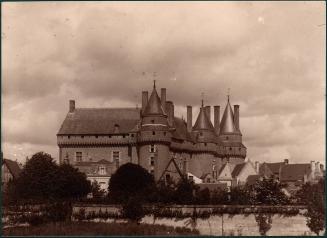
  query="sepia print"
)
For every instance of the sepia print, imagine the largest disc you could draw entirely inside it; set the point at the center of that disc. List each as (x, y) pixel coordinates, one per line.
(163, 118)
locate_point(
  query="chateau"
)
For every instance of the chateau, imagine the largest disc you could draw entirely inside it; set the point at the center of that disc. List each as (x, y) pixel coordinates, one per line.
(99, 140)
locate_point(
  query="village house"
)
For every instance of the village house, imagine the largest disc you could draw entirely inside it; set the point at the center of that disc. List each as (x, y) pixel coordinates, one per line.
(10, 170)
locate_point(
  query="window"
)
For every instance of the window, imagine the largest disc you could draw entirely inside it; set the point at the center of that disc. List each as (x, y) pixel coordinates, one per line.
(230, 148)
(152, 121)
(152, 160)
(152, 148)
(205, 144)
(82, 137)
(132, 135)
(68, 137)
(153, 133)
(226, 137)
(115, 156)
(96, 136)
(164, 133)
(102, 170)
(78, 156)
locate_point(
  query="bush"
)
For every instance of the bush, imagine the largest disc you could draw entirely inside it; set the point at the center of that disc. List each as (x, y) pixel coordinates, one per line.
(133, 209)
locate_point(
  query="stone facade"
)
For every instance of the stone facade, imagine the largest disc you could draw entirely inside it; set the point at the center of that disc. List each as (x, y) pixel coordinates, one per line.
(151, 137)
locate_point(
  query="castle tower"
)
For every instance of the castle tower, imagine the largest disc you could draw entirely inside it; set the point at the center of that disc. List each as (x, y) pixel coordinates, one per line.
(206, 144)
(154, 136)
(230, 134)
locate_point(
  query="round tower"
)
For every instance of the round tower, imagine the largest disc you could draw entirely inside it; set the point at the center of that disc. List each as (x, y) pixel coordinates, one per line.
(231, 136)
(206, 144)
(154, 136)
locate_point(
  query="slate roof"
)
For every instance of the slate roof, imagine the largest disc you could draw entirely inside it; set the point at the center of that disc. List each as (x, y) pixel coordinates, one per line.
(227, 122)
(203, 122)
(237, 169)
(99, 121)
(154, 104)
(268, 169)
(13, 167)
(294, 172)
(181, 130)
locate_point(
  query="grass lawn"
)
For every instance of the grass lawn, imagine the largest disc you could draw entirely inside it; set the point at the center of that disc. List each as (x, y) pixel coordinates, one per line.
(92, 229)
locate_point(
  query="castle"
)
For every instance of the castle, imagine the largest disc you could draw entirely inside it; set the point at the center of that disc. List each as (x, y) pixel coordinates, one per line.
(99, 140)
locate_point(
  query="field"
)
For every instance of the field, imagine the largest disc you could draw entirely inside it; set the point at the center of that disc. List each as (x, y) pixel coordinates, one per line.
(99, 229)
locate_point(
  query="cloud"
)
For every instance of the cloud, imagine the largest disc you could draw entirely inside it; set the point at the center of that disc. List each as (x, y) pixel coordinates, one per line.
(271, 55)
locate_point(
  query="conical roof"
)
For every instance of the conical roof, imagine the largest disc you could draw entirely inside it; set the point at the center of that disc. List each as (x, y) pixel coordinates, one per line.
(203, 122)
(154, 104)
(227, 122)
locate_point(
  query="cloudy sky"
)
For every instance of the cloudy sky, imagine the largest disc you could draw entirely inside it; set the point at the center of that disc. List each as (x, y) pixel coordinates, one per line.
(270, 54)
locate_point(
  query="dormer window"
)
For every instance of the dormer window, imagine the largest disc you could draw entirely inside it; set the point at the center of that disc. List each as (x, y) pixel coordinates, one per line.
(102, 170)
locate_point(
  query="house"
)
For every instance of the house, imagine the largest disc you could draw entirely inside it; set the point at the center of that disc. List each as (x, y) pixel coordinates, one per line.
(295, 175)
(10, 170)
(268, 170)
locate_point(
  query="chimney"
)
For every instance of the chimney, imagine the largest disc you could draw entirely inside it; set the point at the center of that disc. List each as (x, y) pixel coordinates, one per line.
(170, 112)
(189, 118)
(144, 100)
(317, 166)
(216, 112)
(71, 105)
(163, 99)
(256, 166)
(236, 116)
(285, 161)
(207, 110)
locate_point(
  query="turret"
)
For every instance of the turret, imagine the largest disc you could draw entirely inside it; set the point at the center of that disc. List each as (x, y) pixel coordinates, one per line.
(154, 137)
(230, 134)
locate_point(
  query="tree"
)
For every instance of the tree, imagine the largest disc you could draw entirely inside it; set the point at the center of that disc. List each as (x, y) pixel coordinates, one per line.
(219, 196)
(165, 192)
(313, 196)
(202, 196)
(42, 179)
(184, 191)
(72, 183)
(269, 192)
(241, 195)
(131, 180)
(38, 178)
